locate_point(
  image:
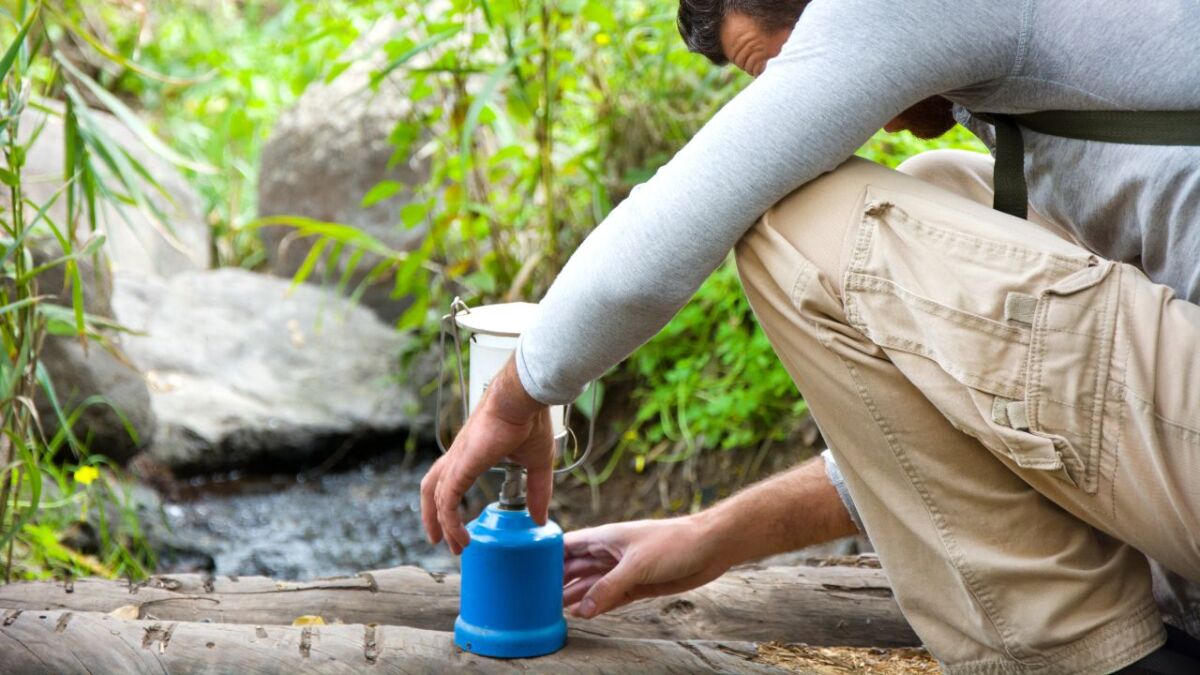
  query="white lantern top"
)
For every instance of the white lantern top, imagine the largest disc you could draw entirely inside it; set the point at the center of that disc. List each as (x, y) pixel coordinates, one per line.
(509, 319)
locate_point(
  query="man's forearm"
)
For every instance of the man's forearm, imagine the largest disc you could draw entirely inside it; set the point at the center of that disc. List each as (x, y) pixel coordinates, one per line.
(783, 513)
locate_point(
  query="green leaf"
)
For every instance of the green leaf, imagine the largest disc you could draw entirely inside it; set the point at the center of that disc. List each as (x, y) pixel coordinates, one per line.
(337, 69)
(310, 261)
(408, 55)
(24, 302)
(483, 98)
(384, 189)
(10, 55)
(414, 316)
(412, 214)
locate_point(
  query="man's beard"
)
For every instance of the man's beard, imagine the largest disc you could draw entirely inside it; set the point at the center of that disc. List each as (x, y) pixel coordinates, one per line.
(929, 118)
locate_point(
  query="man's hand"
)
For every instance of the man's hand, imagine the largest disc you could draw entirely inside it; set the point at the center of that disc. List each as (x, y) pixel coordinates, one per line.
(507, 424)
(612, 565)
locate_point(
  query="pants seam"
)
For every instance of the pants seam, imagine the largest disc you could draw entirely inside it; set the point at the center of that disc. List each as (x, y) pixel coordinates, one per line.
(949, 544)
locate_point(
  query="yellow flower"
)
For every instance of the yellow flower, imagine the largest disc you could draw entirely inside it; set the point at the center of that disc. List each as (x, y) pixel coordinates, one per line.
(602, 39)
(86, 474)
(630, 435)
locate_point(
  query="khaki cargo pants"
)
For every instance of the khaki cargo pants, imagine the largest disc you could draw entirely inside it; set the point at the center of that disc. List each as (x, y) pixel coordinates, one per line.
(1015, 417)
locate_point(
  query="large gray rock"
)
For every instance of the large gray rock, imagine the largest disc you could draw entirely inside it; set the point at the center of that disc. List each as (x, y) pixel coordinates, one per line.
(135, 242)
(329, 150)
(246, 373)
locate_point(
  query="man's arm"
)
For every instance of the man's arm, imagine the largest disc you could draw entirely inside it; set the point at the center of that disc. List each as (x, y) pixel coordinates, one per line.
(612, 565)
(848, 68)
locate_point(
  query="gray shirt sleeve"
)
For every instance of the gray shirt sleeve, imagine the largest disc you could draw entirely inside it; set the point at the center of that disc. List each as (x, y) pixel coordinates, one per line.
(849, 66)
(834, 474)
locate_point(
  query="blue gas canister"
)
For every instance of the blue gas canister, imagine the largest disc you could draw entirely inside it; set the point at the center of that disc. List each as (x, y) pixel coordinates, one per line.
(511, 599)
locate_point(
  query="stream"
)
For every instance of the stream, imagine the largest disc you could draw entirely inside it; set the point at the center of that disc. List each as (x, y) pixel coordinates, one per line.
(292, 527)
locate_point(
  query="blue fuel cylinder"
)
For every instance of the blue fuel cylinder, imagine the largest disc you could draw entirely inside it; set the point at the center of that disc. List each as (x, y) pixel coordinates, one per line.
(512, 572)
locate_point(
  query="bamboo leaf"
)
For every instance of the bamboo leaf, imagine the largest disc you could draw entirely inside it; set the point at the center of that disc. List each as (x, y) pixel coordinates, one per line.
(403, 58)
(482, 99)
(10, 55)
(132, 121)
(384, 189)
(23, 302)
(44, 380)
(310, 261)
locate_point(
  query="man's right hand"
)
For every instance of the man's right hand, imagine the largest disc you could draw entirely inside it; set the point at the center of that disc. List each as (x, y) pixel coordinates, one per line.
(612, 565)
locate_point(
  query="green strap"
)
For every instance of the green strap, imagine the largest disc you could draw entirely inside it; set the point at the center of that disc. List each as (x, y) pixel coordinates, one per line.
(1163, 127)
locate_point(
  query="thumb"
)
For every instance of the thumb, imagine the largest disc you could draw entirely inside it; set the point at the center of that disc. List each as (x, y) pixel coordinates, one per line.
(611, 591)
(539, 484)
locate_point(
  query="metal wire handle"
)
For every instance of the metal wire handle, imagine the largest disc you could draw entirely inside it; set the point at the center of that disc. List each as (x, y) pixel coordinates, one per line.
(457, 306)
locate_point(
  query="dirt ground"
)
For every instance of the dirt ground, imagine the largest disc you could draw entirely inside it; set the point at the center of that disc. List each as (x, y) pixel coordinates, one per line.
(847, 660)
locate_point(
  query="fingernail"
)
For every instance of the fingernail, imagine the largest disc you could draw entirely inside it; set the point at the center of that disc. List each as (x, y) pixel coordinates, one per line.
(587, 608)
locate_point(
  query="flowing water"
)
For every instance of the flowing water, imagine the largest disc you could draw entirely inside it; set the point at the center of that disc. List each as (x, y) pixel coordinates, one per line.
(290, 527)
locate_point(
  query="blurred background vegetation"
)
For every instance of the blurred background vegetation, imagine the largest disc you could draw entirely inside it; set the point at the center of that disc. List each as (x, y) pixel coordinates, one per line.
(538, 117)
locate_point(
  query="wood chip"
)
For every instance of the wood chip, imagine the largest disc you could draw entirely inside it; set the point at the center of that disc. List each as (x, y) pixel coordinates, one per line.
(847, 660)
(127, 612)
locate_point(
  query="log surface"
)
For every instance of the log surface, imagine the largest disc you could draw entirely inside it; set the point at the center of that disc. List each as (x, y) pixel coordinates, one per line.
(835, 605)
(65, 643)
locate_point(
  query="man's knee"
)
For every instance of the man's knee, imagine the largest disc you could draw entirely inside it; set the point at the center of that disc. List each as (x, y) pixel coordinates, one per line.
(967, 174)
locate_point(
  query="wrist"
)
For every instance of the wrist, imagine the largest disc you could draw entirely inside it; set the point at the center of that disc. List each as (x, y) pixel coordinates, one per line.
(721, 528)
(508, 400)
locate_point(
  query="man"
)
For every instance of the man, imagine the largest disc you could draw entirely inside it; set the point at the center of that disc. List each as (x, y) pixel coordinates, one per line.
(1014, 404)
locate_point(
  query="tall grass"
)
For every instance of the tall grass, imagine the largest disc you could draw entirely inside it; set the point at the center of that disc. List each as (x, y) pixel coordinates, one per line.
(51, 483)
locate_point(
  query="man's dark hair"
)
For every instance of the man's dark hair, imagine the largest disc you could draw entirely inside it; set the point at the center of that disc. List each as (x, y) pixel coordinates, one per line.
(700, 21)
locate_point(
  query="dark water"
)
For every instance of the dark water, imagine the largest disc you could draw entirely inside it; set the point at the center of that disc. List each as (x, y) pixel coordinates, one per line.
(290, 527)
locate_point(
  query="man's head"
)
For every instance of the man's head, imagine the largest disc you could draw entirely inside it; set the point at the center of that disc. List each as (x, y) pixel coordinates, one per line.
(748, 33)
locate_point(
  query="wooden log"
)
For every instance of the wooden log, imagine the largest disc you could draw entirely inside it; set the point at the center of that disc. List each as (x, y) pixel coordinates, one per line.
(836, 605)
(64, 643)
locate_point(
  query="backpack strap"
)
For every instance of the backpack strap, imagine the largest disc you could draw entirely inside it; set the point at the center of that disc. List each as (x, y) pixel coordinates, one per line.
(1163, 127)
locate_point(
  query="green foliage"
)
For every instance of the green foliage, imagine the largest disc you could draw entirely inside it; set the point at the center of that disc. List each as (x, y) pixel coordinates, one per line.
(50, 481)
(230, 69)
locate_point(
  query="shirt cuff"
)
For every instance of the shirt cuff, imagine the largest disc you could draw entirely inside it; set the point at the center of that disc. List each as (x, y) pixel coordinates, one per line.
(839, 483)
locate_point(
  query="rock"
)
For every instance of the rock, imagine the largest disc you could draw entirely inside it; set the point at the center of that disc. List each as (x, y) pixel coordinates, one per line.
(328, 151)
(134, 241)
(86, 376)
(117, 419)
(246, 374)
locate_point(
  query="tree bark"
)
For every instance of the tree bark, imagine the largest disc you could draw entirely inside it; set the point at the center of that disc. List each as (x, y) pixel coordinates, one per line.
(836, 605)
(64, 643)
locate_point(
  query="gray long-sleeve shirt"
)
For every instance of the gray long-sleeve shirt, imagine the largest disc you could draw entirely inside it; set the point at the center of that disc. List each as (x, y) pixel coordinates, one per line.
(849, 66)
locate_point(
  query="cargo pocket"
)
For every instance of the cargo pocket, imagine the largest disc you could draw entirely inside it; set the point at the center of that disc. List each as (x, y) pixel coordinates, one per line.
(1070, 357)
(1025, 330)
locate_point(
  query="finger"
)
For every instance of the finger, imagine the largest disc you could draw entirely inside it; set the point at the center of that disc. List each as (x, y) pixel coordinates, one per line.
(429, 516)
(448, 517)
(574, 592)
(579, 567)
(588, 541)
(539, 484)
(611, 590)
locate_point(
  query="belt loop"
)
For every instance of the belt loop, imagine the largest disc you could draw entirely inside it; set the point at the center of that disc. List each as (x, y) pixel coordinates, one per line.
(1020, 308)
